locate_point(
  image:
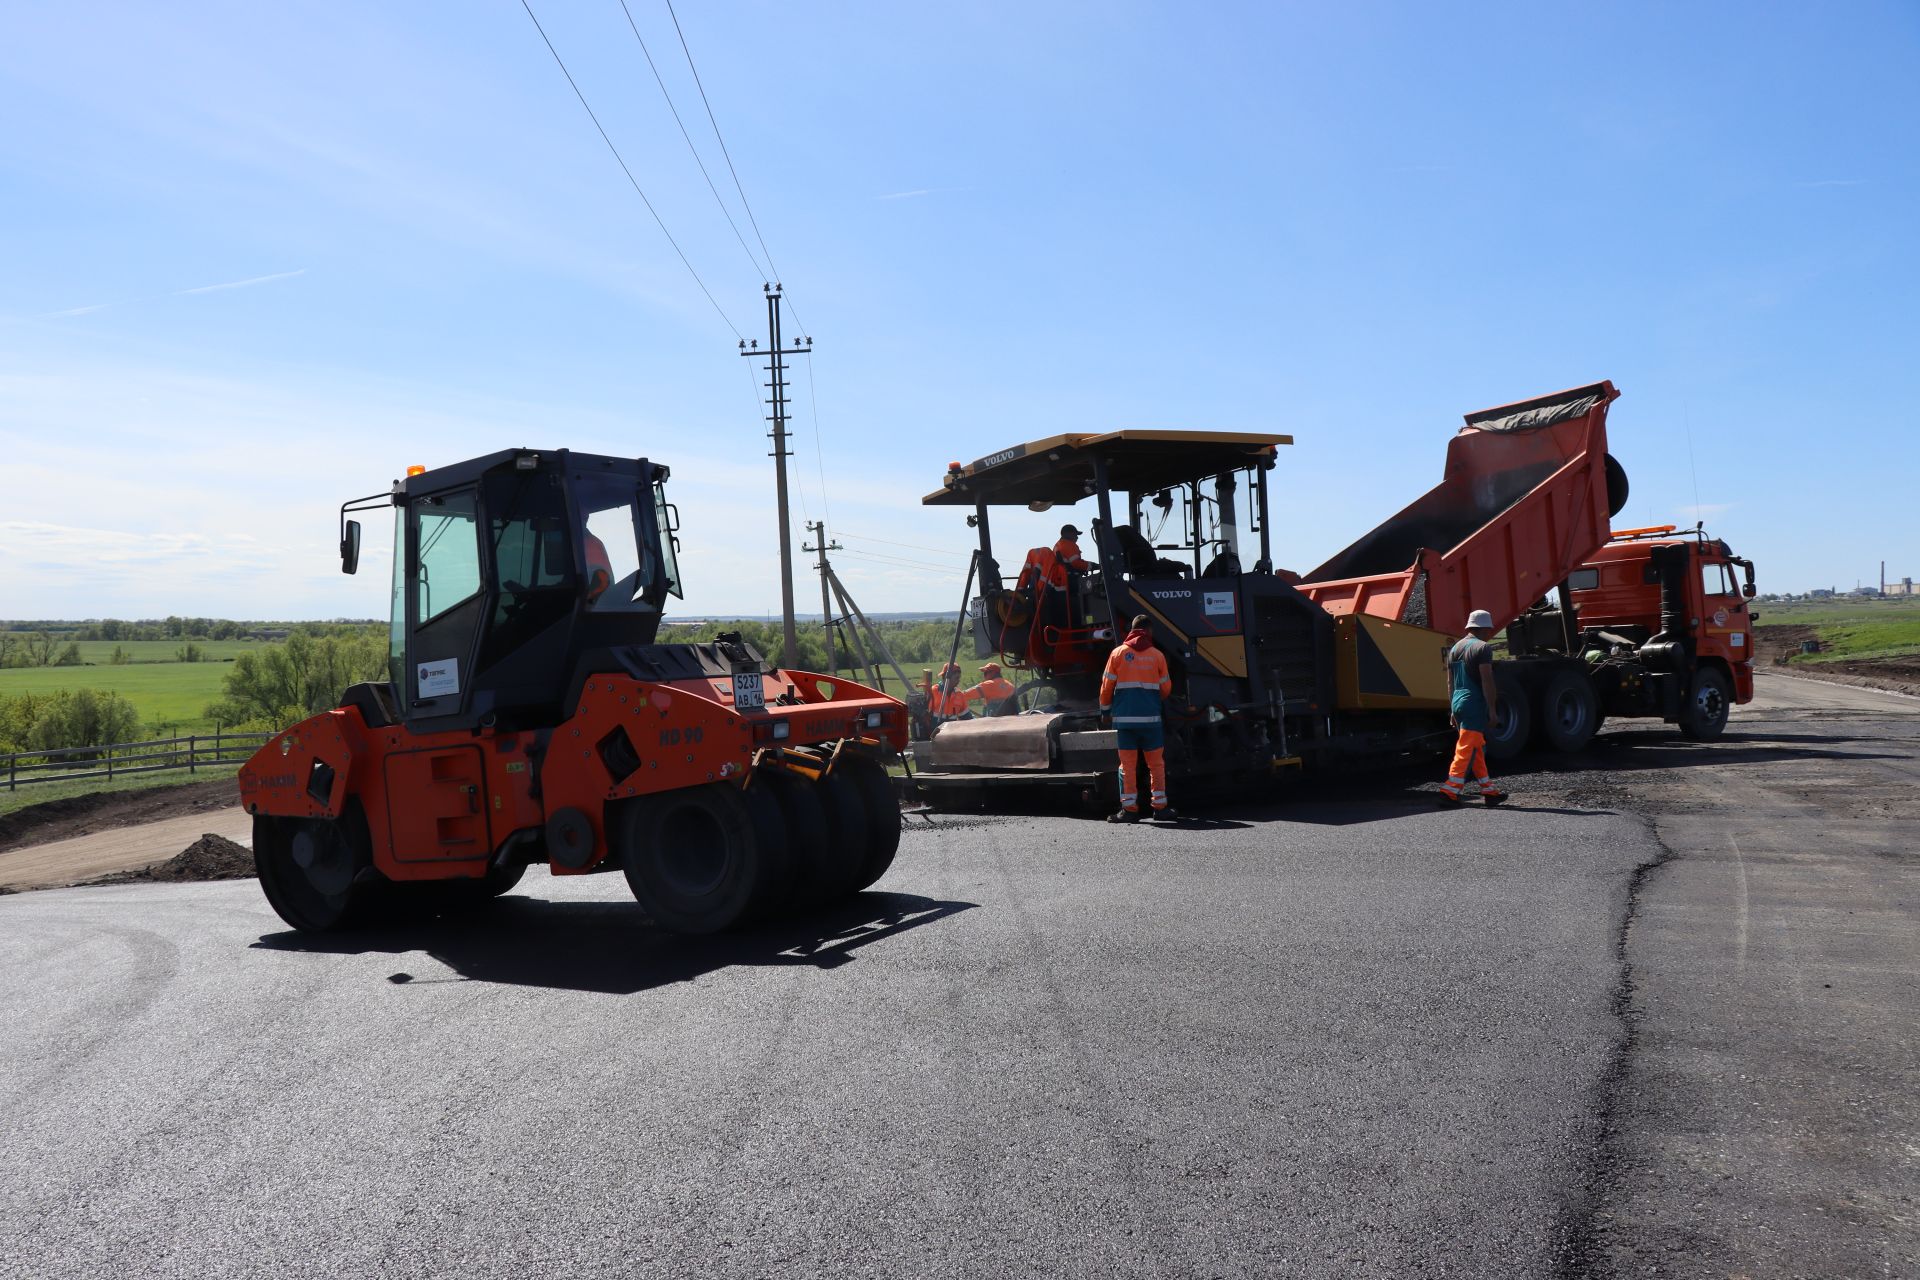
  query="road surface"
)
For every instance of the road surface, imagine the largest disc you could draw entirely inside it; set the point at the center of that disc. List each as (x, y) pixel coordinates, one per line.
(1348, 1035)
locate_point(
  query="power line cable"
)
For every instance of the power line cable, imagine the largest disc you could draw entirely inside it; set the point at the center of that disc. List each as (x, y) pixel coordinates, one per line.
(819, 455)
(744, 203)
(754, 222)
(912, 545)
(893, 562)
(767, 270)
(629, 172)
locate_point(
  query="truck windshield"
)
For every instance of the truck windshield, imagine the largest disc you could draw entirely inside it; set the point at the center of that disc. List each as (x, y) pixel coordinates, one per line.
(1717, 580)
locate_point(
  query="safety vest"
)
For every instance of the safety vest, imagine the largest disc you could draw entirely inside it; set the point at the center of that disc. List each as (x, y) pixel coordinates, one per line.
(992, 690)
(948, 703)
(1066, 555)
(1133, 685)
(1042, 565)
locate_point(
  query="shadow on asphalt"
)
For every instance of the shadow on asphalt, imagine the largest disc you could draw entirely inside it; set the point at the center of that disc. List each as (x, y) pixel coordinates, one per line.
(611, 948)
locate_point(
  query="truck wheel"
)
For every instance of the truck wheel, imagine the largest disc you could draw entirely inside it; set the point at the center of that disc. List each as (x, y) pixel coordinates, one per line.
(1709, 701)
(1569, 712)
(309, 867)
(1507, 736)
(691, 858)
(882, 812)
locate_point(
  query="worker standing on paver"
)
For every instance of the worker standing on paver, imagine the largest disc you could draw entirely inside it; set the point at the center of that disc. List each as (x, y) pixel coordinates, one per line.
(1131, 690)
(1476, 702)
(993, 691)
(949, 700)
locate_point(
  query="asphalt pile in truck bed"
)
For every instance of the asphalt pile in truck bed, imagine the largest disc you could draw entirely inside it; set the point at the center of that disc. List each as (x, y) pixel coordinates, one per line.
(211, 857)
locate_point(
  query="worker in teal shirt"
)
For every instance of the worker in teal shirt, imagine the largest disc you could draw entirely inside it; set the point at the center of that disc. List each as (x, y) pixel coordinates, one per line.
(1476, 702)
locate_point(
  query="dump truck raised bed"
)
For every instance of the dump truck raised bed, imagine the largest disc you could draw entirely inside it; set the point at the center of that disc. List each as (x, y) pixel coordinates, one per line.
(529, 717)
(1275, 670)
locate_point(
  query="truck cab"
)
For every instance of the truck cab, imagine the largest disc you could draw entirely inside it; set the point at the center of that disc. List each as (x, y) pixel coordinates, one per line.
(1661, 621)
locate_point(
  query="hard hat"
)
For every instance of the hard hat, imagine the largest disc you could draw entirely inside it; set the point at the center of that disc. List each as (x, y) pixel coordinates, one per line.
(951, 669)
(1479, 620)
(1068, 531)
(990, 669)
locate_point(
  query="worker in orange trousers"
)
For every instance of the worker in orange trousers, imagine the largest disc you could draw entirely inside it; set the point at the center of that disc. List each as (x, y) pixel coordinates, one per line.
(1476, 706)
(1132, 689)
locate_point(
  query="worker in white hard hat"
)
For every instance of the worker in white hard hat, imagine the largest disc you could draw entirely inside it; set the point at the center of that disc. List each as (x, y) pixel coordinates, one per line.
(1476, 705)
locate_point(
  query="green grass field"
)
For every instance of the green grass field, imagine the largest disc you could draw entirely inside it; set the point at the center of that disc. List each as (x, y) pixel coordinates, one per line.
(1852, 630)
(100, 652)
(170, 697)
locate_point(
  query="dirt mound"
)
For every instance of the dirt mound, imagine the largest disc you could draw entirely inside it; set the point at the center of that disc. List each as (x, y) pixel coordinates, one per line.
(211, 857)
(103, 811)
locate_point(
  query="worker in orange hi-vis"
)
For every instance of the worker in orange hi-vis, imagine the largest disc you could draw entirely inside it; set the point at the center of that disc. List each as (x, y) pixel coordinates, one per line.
(949, 701)
(1476, 704)
(1132, 688)
(599, 568)
(1066, 556)
(993, 691)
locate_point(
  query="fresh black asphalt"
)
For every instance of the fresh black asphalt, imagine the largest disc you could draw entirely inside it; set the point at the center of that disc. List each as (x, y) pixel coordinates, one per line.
(1342, 1035)
(1343, 1038)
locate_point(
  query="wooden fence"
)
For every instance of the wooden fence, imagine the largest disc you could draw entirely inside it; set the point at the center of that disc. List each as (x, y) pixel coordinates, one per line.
(123, 759)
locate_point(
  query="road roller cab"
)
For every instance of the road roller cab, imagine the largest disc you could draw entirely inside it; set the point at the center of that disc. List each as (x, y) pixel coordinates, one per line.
(529, 715)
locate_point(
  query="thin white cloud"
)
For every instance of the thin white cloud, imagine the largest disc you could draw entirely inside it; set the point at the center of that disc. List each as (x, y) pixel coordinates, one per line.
(917, 192)
(248, 283)
(78, 311)
(1835, 182)
(1704, 511)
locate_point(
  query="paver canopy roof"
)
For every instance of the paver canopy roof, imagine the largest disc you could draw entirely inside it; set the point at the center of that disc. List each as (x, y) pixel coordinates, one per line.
(1060, 469)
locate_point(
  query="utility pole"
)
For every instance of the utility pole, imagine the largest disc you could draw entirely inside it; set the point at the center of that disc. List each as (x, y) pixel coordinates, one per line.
(818, 529)
(776, 355)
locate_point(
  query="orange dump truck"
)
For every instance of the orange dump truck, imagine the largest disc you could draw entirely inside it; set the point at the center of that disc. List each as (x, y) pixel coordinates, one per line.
(1275, 670)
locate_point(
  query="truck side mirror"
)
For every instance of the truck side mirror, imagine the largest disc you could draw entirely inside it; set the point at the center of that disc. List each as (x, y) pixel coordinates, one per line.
(350, 547)
(1748, 590)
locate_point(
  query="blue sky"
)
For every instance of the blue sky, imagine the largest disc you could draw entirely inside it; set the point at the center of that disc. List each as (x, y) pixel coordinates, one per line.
(259, 258)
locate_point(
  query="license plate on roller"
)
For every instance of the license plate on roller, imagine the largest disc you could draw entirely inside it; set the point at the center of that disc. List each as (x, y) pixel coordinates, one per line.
(747, 692)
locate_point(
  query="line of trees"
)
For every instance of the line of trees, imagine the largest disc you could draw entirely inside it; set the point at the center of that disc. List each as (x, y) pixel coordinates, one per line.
(37, 649)
(283, 683)
(65, 718)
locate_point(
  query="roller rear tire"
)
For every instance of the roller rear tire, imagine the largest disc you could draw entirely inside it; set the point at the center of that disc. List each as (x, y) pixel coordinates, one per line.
(691, 857)
(819, 862)
(771, 827)
(882, 814)
(846, 810)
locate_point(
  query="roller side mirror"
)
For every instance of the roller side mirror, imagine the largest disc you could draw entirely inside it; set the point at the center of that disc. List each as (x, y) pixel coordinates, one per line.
(350, 547)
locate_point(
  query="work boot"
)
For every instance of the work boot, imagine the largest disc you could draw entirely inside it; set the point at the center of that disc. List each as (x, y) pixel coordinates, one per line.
(1125, 815)
(1493, 798)
(1165, 813)
(1448, 800)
